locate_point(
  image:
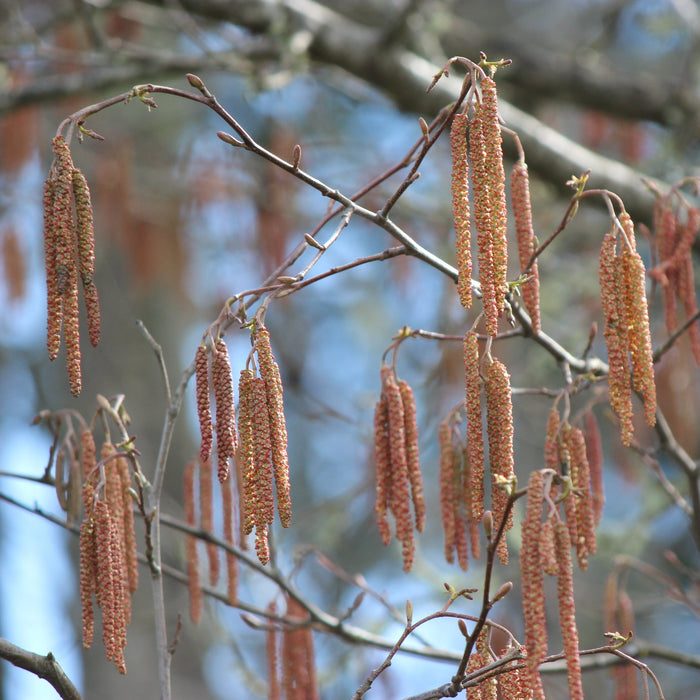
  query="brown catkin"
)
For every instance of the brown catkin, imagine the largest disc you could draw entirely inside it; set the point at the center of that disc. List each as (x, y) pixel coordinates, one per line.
(262, 498)
(225, 408)
(298, 663)
(193, 585)
(382, 461)
(532, 583)
(269, 371)
(548, 556)
(551, 444)
(567, 611)
(412, 454)
(245, 457)
(686, 293)
(569, 469)
(522, 214)
(611, 292)
(493, 154)
(130, 552)
(88, 576)
(475, 436)
(86, 254)
(448, 497)
(460, 207)
(206, 516)
(54, 301)
(585, 517)
(272, 635)
(201, 375)
(499, 428)
(594, 450)
(400, 496)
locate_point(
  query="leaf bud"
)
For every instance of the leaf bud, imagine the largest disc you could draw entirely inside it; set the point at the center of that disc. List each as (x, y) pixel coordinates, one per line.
(503, 591)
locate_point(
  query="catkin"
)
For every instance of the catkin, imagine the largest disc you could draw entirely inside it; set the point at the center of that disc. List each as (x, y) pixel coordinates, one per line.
(225, 408)
(522, 214)
(269, 371)
(499, 428)
(246, 458)
(201, 375)
(532, 582)
(594, 450)
(298, 662)
(448, 497)
(567, 612)
(206, 518)
(460, 207)
(585, 518)
(229, 517)
(54, 300)
(382, 461)
(412, 453)
(475, 437)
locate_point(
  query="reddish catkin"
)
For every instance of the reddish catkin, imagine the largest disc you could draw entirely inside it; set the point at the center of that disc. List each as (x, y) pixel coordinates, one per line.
(522, 214)
(269, 371)
(551, 443)
(400, 496)
(382, 461)
(88, 576)
(54, 301)
(499, 427)
(569, 469)
(201, 376)
(567, 611)
(193, 585)
(229, 517)
(460, 207)
(298, 662)
(496, 175)
(548, 556)
(262, 498)
(448, 497)
(225, 408)
(245, 456)
(620, 389)
(532, 583)
(130, 552)
(585, 518)
(594, 450)
(206, 516)
(467, 498)
(686, 293)
(86, 254)
(412, 454)
(475, 436)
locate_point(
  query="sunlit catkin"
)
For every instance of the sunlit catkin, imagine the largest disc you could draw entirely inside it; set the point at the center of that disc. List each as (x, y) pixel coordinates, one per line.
(585, 518)
(262, 499)
(201, 375)
(475, 436)
(460, 207)
(86, 253)
(532, 582)
(225, 409)
(382, 462)
(499, 427)
(522, 214)
(567, 611)
(54, 300)
(412, 453)
(612, 301)
(448, 497)
(269, 371)
(245, 455)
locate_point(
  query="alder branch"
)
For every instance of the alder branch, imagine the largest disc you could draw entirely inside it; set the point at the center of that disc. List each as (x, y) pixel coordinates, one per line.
(44, 667)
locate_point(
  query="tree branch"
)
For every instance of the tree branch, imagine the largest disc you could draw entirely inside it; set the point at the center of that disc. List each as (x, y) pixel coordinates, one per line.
(44, 667)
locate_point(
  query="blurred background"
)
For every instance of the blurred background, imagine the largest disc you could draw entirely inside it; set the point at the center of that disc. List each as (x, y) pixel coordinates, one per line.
(184, 221)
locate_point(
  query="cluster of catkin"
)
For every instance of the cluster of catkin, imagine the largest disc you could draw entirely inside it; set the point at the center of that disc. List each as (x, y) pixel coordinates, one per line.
(108, 563)
(260, 443)
(69, 245)
(674, 238)
(290, 660)
(460, 526)
(623, 299)
(477, 159)
(499, 431)
(199, 477)
(546, 548)
(566, 453)
(399, 480)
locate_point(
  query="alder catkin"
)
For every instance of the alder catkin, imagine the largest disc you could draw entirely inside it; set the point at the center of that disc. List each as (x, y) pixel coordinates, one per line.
(86, 253)
(532, 582)
(229, 517)
(499, 428)
(475, 437)
(448, 497)
(412, 453)
(269, 371)
(460, 207)
(382, 461)
(567, 611)
(206, 517)
(201, 375)
(222, 381)
(54, 300)
(594, 450)
(245, 457)
(585, 517)
(88, 576)
(522, 214)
